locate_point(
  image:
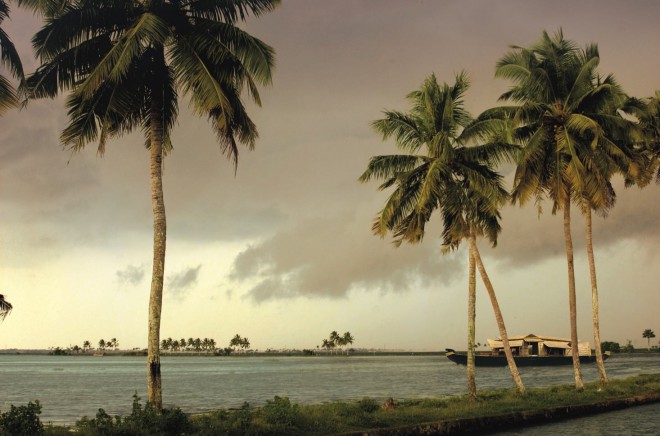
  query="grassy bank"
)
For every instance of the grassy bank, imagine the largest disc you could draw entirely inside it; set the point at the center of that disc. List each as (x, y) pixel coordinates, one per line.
(281, 417)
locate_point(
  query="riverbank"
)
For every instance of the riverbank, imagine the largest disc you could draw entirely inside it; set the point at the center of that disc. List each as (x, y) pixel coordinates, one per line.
(494, 410)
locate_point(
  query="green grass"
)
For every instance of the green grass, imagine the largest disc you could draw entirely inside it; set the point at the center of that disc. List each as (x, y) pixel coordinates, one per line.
(281, 417)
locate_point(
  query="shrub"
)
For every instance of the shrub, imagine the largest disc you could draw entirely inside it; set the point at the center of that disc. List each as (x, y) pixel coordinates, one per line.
(280, 411)
(142, 421)
(22, 420)
(614, 347)
(368, 405)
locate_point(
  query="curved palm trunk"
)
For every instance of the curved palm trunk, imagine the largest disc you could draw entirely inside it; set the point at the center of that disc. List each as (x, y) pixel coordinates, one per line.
(568, 240)
(594, 296)
(154, 388)
(472, 298)
(498, 314)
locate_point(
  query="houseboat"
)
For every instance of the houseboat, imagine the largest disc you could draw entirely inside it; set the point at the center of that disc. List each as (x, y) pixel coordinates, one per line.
(530, 350)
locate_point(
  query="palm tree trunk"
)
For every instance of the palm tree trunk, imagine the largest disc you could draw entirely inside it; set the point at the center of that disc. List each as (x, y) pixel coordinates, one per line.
(594, 296)
(498, 314)
(472, 298)
(568, 240)
(154, 388)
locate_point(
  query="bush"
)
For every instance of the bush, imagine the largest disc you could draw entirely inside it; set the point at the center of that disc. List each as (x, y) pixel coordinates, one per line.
(22, 420)
(614, 347)
(142, 421)
(280, 411)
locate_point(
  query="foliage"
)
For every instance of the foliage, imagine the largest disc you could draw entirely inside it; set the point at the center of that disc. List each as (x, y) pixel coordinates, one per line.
(9, 96)
(336, 340)
(614, 347)
(5, 306)
(648, 334)
(58, 351)
(206, 344)
(238, 341)
(22, 420)
(628, 348)
(280, 411)
(142, 421)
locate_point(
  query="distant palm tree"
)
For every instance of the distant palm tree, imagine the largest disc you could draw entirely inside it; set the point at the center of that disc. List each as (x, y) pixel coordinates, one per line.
(236, 341)
(328, 345)
(126, 63)
(449, 175)
(648, 334)
(102, 344)
(347, 339)
(87, 345)
(5, 307)
(9, 58)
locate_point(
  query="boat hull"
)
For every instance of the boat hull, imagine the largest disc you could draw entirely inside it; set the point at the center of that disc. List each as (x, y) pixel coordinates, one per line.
(482, 360)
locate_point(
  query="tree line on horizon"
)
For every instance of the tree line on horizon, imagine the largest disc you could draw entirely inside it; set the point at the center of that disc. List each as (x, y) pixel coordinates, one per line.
(568, 129)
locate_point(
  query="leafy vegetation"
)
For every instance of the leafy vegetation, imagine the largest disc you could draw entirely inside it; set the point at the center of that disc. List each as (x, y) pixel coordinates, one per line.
(22, 420)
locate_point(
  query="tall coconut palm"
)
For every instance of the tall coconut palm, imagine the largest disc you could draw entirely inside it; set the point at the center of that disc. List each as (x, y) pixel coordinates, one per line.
(126, 63)
(10, 60)
(5, 307)
(565, 116)
(443, 170)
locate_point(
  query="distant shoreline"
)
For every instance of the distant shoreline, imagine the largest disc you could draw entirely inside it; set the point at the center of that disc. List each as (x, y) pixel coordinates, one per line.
(292, 353)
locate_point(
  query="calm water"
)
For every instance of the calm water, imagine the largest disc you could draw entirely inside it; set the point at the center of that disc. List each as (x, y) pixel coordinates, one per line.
(69, 387)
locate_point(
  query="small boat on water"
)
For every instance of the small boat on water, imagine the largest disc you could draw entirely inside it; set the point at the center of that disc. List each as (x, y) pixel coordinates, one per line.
(530, 350)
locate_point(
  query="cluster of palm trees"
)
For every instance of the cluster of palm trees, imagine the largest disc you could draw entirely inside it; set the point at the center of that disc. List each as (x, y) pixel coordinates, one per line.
(124, 65)
(112, 344)
(569, 131)
(197, 344)
(238, 342)
(335, 340)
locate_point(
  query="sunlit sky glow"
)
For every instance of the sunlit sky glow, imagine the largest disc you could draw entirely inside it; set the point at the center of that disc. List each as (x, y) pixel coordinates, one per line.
(282, 252)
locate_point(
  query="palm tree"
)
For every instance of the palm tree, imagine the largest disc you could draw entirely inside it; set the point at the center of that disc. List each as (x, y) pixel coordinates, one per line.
(126, 63)
(236, 341)
(566, 113)
(9, 59)
(450, 175)
(5, 307)
(648, 334)
(245, 344)
(328, 345)
(87, 345)
(647, 113)
(347, 339)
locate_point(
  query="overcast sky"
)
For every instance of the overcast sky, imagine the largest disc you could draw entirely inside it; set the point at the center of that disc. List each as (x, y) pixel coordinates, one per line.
(282, 252)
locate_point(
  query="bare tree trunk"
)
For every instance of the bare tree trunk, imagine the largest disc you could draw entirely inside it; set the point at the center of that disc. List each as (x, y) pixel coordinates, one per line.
(594, 296)
(472, 298)
(579, 384)
(154, 388)
(498, 314)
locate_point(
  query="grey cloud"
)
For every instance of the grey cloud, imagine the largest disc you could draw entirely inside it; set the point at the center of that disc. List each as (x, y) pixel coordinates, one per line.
(527, 238)
(180, 282)
(330, 256)
(131, 274)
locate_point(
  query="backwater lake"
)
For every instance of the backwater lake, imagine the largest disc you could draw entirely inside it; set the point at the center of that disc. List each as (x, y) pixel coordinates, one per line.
(69, 387)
